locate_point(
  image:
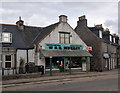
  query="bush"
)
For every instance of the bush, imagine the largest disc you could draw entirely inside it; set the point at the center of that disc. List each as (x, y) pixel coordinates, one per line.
(21, 68)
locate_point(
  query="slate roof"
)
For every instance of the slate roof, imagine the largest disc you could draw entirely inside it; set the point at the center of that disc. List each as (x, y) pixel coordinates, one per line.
(27, 38)
(84, 33)
(106, 34)
(45, 31)
(95, 28)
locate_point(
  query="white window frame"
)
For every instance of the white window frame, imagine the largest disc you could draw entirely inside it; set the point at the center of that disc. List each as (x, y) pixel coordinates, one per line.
(62, 36)
(114, 39)
(110, 38)
(8, 61)
(100, 33)
(119, 41)
(9, 37)
(1, 60)
(0, 37)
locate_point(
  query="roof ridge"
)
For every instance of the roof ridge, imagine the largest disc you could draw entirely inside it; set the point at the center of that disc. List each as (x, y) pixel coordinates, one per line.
(6, 24)
(33, 26)
(50, 25)
(24, 25)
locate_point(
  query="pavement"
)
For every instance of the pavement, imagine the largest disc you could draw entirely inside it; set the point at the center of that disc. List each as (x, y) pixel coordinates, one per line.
(59, 76)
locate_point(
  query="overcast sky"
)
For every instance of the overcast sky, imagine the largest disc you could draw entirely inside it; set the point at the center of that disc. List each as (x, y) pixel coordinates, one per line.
(46, 13)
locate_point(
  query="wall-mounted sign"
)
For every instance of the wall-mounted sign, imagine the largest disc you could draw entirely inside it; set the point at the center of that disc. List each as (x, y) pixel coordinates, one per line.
(106, 55)
(70, 35)
(63, 47)
(89, 48)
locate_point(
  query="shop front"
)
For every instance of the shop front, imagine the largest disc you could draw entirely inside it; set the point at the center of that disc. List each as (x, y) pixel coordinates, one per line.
(67, 59)
(63, 64)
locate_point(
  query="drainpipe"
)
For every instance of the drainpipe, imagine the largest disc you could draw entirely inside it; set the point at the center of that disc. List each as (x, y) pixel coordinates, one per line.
(27, 56)
(15, 62)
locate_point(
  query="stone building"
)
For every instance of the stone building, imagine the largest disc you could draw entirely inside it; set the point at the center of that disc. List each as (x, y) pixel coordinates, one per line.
(50, 46)
(104, 45)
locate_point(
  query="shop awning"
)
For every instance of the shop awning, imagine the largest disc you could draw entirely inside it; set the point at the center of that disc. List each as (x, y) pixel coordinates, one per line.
(63, 53)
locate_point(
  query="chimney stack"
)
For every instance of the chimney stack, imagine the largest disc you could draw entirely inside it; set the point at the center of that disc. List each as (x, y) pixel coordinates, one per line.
(106, 30)
(99, 26)
(63, 18)
(115, 35)
(20, 24)
(82, 21)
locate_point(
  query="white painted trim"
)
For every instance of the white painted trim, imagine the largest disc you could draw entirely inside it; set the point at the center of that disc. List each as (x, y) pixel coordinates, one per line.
(110, 38)
(100, 33)
(8, 61)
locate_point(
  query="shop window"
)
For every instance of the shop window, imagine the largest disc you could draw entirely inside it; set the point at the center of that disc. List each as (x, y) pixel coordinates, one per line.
(8, 61)
(64, 37)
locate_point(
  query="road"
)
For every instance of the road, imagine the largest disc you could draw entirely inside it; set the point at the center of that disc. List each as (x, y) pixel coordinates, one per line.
(96, 83)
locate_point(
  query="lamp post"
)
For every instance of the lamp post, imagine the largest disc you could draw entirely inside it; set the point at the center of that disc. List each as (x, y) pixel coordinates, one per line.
(50, 65)
(70, 65)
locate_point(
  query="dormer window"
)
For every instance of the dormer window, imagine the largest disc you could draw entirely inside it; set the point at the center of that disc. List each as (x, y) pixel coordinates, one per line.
(100, 33)
(6, 37)
(110, 38)
(114, 40)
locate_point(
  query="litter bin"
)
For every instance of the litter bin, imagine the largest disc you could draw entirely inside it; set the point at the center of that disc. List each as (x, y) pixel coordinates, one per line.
(27, 68)
(41, 69)
(61, 68)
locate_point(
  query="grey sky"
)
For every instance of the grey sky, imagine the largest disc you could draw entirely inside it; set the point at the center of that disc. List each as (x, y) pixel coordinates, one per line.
(46, 13)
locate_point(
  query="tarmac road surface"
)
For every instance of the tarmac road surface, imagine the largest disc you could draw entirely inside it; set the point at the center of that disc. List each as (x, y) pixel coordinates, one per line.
(96, 83)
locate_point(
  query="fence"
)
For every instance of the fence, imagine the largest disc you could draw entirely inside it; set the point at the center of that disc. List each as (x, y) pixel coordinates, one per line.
(21, 70)
(37, 69)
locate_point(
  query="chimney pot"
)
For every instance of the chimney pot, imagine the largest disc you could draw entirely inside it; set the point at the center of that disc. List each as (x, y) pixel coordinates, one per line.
(20, 24)
(106, 30)
(99, 26)
(82, 17)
